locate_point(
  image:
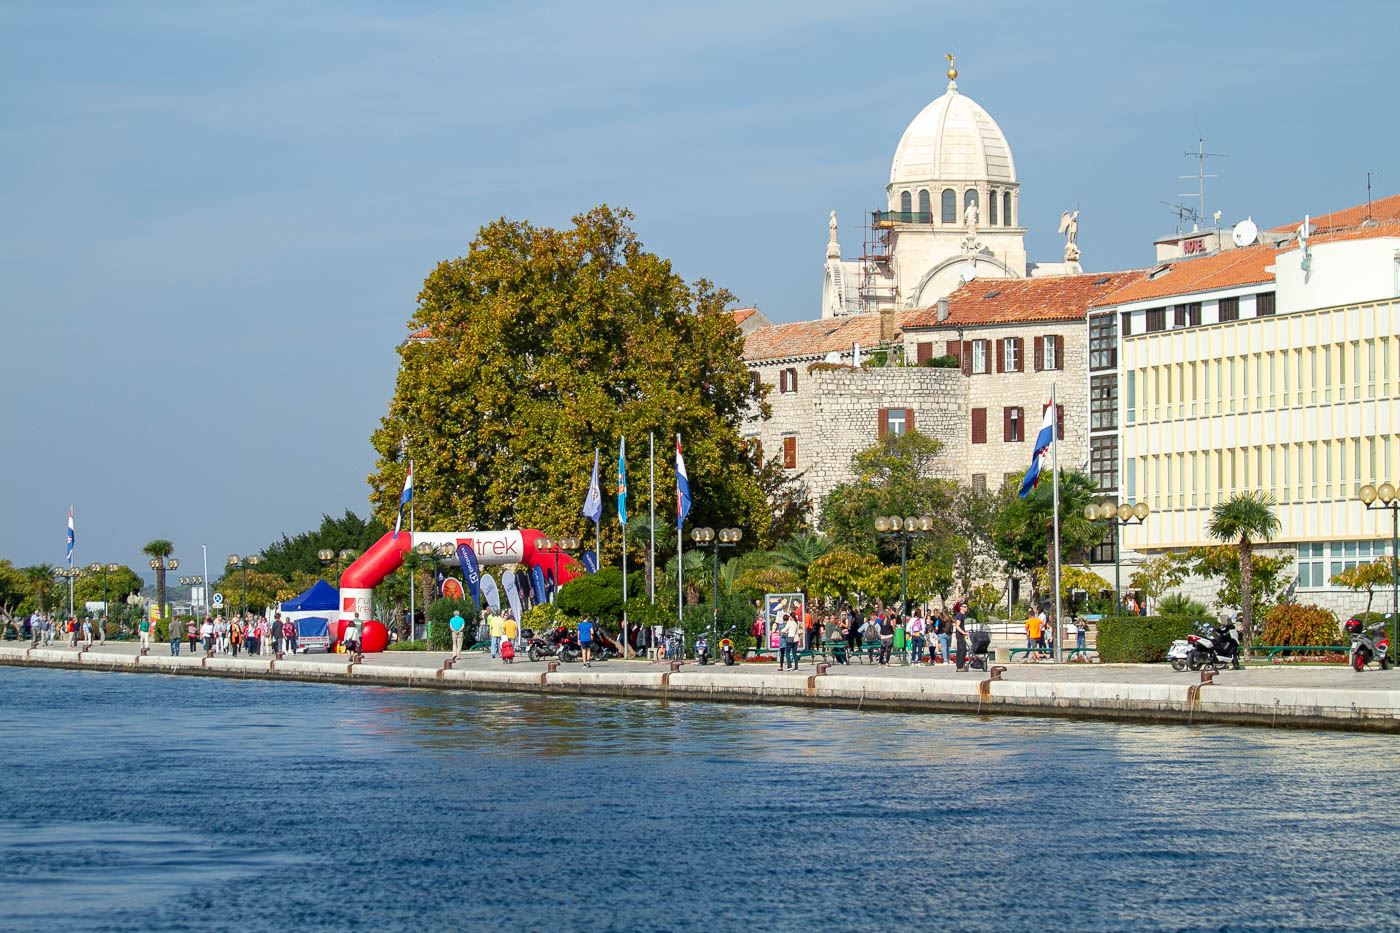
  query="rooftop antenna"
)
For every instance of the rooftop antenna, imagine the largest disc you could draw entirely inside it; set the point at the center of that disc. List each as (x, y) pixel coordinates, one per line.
(1183, 214)
(1369, 218)
(1200, 155)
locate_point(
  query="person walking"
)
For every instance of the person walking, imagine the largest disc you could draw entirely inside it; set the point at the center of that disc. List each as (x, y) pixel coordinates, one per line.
(791, 633)
(192, 633)
(354, 632)
(176, 636)
(960, 634)
(585, 640)
(1033, 633)
(206, 634)
(252, 638)
(235, 636)
(457, 625)
(901, 638)
(886, 636)
(289, 636)
(1081, 636)
(498, 629)
(144, 629)
(510, 632)
(916, 638)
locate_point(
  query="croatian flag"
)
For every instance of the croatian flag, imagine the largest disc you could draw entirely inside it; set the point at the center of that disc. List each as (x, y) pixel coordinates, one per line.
(682, 485)
(71, 539)
(1043, 440)
(404, 499)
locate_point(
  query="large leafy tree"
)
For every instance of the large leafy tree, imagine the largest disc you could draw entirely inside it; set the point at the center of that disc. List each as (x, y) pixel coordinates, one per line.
(894, 476)
(798, 553)
(1366, 577)
(1023, 530)
(789, 502)
(545, 344)
(297, 554)
(43, 588)
(161, 548)
(851, 577)
(1241, 521)
(120, 584)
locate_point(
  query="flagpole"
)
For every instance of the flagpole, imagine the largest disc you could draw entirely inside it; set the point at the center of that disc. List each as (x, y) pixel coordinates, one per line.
(1055, 499)
(70, 569)
(622, 504)
(651, 554)
(412, 584)
(680, 550)
(598, 525)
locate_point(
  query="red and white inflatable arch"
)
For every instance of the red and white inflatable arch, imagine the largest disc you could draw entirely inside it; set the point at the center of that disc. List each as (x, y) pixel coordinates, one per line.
(517, 546)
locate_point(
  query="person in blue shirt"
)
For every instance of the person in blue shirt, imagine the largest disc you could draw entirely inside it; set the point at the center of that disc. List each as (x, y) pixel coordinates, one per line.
(457, 624)
(585, 640)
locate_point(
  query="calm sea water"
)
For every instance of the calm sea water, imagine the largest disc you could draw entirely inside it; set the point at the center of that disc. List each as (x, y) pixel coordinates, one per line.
(147, 802)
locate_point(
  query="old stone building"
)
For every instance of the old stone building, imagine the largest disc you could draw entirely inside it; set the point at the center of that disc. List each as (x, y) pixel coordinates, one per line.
(837, 386)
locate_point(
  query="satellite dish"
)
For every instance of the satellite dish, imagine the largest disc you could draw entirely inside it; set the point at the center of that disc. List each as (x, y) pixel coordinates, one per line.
(1246, 232)
(967, 275)
(834, 356)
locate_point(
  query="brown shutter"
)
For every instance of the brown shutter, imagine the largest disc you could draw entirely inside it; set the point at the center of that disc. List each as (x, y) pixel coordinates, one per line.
(954, 350)
(792, 380)
(967, 357)
(790, 453)
(1059, 352)
(1039, 352)
(883, 424)
(1021, 412)
(1060, 422)
(908, 419)
(1020, 355)
(1001, 356)
(979, 425)
(757, 382)
(923, 351)
(1006, 425)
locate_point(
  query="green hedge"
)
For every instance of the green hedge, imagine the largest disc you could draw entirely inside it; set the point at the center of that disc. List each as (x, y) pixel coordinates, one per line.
(1141, 639)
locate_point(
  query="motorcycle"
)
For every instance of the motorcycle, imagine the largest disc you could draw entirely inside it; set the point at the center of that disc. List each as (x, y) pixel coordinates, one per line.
(702, 650)
(1179, 654)
(1216, 649)
(726, 651)
(559, 643)
(1367, 644)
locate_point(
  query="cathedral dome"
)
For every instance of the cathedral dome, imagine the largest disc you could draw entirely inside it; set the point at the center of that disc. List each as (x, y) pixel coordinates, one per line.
(953, 138)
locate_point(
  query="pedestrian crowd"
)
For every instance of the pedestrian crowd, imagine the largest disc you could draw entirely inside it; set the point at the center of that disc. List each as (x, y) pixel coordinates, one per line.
(916, 637)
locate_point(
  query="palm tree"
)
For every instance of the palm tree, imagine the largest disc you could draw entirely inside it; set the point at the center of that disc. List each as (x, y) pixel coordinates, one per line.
(160, 549)
(797, 553)
(1244, 518)
(40, 576)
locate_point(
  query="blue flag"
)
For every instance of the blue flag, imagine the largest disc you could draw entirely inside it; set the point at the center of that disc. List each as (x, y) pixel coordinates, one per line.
(590, 561)
(71, 539)
(537, 590)
(471, 572)
(622, 482)
(593, 502)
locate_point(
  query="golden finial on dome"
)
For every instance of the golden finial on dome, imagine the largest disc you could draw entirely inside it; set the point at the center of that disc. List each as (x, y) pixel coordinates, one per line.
(952, 69)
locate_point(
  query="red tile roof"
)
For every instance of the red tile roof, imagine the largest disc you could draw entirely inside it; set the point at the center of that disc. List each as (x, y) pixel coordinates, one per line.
(813, 338)
(1011, 301)
(1387, 208)
(741, 315)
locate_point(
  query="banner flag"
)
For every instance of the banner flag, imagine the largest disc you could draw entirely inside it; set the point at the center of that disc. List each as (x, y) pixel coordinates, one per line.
(471, 572)
(590, 561)
(491, 592)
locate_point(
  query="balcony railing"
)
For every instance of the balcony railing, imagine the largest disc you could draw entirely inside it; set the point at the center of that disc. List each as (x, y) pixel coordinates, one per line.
(904, 217)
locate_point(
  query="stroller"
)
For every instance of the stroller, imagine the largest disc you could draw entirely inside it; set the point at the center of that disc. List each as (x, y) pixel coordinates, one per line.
(978, 643)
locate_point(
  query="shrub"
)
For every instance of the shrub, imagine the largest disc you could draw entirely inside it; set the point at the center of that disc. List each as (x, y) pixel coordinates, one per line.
(409, 646)
(1178, 604)
(543, 617)
(1292, 624)
(946, 361)
(1140, 639)
(439, 635)
(595, 594)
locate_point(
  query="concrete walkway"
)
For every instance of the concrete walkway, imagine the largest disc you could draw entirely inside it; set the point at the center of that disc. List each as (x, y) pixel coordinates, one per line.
(1329, 696)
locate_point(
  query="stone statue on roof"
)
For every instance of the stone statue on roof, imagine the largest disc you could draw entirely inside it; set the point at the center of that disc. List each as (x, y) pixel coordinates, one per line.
(1069, 226)
(970, 216)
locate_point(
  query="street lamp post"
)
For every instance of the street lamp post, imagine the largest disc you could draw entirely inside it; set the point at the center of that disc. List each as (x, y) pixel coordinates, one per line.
(1125, 513)
(725, 537)
(192, 582)
(70, 574)
(243, 563)
(1385, 496)
(903, 529)
(558, 545)
(160, 565)
(106, 570)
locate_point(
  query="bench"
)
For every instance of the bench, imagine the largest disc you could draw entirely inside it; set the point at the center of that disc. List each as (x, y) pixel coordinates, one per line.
(1275, 653)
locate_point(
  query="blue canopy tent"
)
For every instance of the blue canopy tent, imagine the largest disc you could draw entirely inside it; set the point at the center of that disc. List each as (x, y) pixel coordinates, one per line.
(312, 612)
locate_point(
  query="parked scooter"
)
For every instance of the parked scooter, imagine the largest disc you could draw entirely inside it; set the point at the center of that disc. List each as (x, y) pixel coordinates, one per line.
(1216, 649)
(726, 651)
(702, 650)
(1368, 643)
(559, 643)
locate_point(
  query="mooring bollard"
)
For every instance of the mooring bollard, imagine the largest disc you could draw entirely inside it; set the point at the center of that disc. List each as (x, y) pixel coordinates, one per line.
(675, 666)
(551, 667)
(996, 672)
(1207, 677)
(822, 668)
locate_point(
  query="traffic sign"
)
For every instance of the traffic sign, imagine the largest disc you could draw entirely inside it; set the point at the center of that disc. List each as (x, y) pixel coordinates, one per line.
(218, 599)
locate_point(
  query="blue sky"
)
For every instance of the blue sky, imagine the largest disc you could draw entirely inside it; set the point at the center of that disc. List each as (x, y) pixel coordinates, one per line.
(217, 216)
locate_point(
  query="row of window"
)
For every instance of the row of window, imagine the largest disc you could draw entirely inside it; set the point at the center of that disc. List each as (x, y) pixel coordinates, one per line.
(1319, 562)
(1189, 314)
(1008, 355)
(1346, 371)
(1013, 424)
(1310, 471)
(948, 206)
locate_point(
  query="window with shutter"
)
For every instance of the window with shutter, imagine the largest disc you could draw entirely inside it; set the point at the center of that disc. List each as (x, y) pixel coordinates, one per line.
(1015, 355)
(757, 382)
(896, 421)
(789, 453)
(979, 425)
(1039, 353)
(1059, 353)
(882, 422)
(965, 357)
(923, 351)
(1013, 425)
(908, 419)
(782, 380)
(1001, 356)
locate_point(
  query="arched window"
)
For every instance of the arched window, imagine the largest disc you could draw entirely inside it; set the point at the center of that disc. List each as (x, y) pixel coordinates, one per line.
(1006, 208)
(991, 209)
(925, 206)
(906, 202)
(950, 206)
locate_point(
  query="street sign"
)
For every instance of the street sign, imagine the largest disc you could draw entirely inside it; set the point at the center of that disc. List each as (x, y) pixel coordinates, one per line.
(218, 599)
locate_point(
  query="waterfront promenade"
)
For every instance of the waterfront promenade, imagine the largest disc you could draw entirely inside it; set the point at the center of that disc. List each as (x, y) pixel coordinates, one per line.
(1328, 697)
